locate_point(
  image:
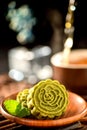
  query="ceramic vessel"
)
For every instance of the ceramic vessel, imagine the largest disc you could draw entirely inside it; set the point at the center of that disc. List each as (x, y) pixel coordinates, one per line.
(74, 74)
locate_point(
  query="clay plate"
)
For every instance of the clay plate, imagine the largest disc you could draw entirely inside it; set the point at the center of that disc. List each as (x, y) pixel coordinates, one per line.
(76, 110)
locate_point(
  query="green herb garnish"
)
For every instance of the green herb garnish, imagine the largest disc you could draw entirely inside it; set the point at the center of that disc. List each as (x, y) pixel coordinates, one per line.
(13, 107)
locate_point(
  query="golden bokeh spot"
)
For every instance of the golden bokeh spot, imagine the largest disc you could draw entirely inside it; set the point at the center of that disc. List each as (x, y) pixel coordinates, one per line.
(68, 25)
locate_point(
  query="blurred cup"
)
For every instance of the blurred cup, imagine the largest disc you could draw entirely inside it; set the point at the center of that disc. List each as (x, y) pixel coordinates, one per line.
(31, 65)
(74, 74)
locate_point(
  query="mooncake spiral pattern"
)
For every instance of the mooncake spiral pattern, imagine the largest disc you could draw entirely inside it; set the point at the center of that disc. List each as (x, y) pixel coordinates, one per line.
(22, 97)
(48, 99)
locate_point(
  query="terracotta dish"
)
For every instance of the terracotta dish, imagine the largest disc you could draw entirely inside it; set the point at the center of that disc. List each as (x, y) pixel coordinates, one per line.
(74, 74)
(76, 110)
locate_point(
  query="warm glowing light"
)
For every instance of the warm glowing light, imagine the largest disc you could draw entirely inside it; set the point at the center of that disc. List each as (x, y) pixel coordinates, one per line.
(69, 42)
(68, 25)
(69, 30)
(72, 1)
(72, 7)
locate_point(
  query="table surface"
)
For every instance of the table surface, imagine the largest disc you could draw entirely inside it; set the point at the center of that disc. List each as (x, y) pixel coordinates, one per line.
(5, 124)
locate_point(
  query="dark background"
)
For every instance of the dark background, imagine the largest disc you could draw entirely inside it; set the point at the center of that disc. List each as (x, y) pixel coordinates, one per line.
(42, 32)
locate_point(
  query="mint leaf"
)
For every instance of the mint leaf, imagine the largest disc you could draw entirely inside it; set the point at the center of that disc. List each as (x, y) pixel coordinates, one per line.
(13, 107)
(23, 112)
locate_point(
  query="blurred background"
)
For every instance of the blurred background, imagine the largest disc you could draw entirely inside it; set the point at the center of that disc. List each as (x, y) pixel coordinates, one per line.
(45, 21)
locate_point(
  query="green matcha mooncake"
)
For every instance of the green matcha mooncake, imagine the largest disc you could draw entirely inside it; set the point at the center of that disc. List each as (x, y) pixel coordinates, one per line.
(48, 99)
(22, 97)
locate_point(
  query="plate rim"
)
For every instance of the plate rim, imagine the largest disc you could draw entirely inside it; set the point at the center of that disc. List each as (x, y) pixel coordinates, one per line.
(44, 123)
